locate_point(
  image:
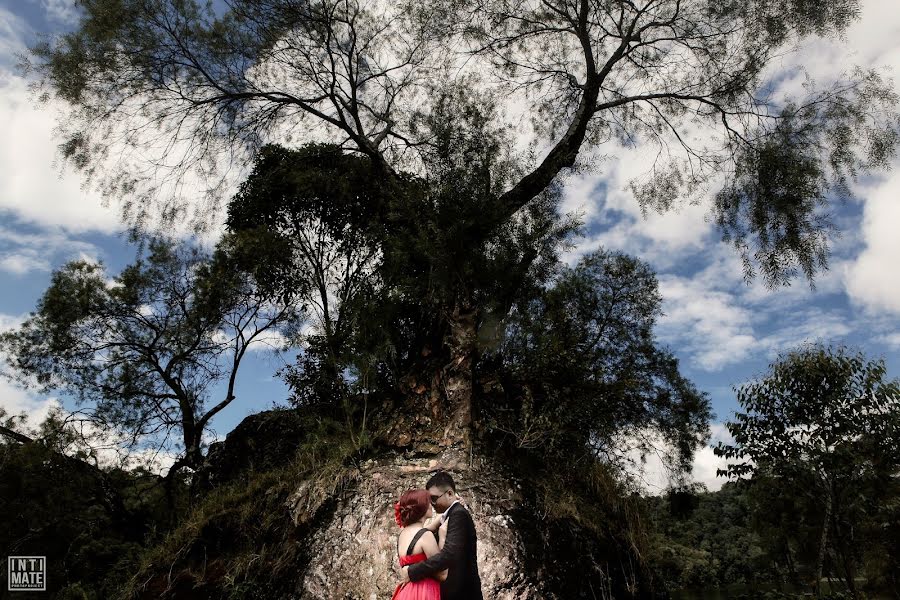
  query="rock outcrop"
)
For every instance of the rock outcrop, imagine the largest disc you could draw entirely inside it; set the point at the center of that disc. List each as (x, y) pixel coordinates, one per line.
(354, 555)
(262, 441)
(293, 508)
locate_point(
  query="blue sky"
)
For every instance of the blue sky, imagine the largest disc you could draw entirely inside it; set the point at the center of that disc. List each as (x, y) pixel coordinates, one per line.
(723, 330)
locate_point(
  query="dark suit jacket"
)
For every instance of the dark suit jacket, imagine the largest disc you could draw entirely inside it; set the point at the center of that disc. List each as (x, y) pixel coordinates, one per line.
(459, 555)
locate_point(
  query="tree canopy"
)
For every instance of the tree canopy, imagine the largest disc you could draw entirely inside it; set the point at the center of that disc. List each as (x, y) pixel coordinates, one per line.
(208, 85)
(824, 424)
(587, 371)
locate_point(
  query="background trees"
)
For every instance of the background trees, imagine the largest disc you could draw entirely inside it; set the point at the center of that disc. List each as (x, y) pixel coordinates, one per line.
(824, 424)
(141, 352)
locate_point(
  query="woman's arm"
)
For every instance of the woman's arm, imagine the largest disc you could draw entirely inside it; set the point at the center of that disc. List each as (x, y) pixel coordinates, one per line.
(433, 523)
(430, 547)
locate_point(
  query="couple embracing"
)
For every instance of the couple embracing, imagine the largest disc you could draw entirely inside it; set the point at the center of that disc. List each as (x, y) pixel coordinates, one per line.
(437, 545)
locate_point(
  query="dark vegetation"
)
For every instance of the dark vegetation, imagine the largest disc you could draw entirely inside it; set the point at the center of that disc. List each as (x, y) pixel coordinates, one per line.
(757, 536)
(111, 533)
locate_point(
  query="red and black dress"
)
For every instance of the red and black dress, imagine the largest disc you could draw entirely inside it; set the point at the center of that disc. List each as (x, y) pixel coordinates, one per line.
(426, 589)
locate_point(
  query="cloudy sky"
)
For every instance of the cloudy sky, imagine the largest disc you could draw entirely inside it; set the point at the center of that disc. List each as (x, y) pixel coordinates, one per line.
(723, 330)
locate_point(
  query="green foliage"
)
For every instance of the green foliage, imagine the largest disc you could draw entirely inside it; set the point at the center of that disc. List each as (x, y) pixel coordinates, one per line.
(819, 408)
(382, 263)
(820, 436)
(592, 511)
(390, 316)
(587, 370)
(139, 353)
(711, 544)
(321, 216)
(92, 525)
(775, 211)
(754, 537)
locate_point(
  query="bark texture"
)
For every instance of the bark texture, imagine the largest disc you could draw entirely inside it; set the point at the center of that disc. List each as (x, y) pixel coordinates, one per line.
(458, 378)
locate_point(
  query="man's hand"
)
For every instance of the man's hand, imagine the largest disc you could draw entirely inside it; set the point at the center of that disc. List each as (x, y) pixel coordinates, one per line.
(404, 575)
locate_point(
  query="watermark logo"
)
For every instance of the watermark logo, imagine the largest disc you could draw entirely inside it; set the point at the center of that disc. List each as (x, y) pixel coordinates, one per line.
(27, 573)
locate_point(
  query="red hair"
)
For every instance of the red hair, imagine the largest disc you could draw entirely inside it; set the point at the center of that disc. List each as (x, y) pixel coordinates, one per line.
(413, 505)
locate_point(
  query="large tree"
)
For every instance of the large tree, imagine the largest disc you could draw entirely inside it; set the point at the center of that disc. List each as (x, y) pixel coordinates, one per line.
(142, 353)
(447, 90)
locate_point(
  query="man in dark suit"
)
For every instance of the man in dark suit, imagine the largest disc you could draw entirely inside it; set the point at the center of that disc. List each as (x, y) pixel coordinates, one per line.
(459, 554)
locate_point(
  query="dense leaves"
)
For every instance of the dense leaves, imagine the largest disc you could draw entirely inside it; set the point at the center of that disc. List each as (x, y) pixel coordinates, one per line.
(588, 371)
(820, 408)
(757, 535)
(824, 426)
(706, 540)
(92, 525)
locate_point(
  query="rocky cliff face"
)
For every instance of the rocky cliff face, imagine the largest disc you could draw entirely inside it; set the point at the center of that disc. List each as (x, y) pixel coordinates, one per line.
(354, 555)
(311, 517)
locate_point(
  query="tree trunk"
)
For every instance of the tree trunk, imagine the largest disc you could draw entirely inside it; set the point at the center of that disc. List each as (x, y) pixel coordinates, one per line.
(457, 375)
(844, 551)
(792, 569)
(192, 458)
(823, 541)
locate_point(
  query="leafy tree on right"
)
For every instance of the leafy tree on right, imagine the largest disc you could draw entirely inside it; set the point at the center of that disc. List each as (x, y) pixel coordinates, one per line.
(822, 428)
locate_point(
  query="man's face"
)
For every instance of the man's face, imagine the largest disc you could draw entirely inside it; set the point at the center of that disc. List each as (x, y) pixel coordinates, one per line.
(441, 498)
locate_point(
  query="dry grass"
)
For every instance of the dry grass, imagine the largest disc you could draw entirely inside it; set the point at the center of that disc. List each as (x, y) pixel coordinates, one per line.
(241, 537)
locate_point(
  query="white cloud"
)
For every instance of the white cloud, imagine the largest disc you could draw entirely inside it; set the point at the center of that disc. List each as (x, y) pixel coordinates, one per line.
(8, 322)
(891, 340)
(667, 239)
(813, 325)
(22, 253)
(268, 341)
(580, 197)
(15, 401)
(717, 320)
(876, 36)
(707, 324)
(662, 238)
(30, 186)
(61, 11)
(706, 463)
(872, 278)
(12, 30)
(108, 446)
(33, 187)
(19, 263)
(654, 475)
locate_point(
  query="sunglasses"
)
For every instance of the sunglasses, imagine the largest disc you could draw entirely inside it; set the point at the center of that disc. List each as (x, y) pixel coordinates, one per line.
(434, 498)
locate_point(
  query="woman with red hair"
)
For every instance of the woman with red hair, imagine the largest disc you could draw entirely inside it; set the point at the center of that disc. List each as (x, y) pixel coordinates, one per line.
(420, 543)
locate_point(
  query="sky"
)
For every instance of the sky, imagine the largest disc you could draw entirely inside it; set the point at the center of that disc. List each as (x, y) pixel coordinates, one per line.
(724, 330)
